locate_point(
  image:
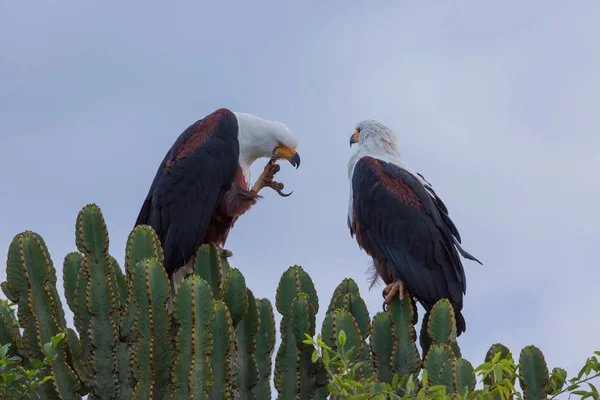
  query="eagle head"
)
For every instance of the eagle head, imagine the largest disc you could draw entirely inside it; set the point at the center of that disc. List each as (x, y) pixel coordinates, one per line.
(259, 138)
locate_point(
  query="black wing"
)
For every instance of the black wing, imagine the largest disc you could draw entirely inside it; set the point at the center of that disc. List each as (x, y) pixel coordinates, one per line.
(409, 230)
(191, 180)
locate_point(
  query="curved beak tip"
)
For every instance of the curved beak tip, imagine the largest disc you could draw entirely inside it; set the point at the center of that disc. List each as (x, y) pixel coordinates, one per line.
(354, 138)
(295, 160)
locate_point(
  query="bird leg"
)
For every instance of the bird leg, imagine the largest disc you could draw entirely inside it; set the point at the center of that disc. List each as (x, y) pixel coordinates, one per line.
(391, 290)
(176, 279)
(266, 179)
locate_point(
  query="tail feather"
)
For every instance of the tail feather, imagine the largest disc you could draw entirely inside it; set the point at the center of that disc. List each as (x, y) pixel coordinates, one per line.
(465, 253)
(461, 324)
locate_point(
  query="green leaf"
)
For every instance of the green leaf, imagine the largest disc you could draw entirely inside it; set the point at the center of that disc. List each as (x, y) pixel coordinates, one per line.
(315, 356)
(326, 358)
(395, 381)
(57, 338)
(48, 349)
(342, 338)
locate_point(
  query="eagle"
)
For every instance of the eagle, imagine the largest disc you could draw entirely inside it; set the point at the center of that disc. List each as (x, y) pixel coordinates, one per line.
(202, 184)
(397, 218)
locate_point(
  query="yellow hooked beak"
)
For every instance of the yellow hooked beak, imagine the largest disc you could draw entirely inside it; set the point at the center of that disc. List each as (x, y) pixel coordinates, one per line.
(282, 151)
(354, 138)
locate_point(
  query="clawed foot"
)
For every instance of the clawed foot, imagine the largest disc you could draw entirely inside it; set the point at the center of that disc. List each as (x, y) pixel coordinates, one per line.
(391, 290)
(266, 179)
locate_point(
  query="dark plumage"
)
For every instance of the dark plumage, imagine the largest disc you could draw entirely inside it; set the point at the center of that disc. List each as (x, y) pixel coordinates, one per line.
(201, 186)
(199, 189)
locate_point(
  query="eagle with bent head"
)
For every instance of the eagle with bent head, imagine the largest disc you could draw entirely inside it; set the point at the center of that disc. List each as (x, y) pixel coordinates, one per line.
(202, 185)
(398, 219)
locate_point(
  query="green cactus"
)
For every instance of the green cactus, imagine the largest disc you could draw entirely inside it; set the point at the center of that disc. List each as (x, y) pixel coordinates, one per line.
(458, 376)
(193, 311)
(557, 380)
(209, 265)
(341, 320)
(405, 358)
(31, 281)
(434, 361)
(9, 329)
(345, 287)
(297, 302)
(347, 297)
(382, 346)
(265, 344)
(440, 326)
(223, 334)
(533, 373)
(142, 243)
(102, 302)
(303, 322)
(218, 340)
(235, 295)
(504, 354)
(151, 357)
(246, 338)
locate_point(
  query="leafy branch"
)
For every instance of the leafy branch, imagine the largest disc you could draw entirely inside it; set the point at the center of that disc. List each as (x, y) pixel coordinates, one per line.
(496, 378)
(20, 382)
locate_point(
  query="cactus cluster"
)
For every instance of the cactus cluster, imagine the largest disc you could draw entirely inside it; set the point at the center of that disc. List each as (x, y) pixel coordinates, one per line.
(216, 340)
(216, 343)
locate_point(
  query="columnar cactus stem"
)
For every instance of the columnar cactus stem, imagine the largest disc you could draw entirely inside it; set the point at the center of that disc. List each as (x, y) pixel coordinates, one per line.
(303, 322)
(458, 376)
(209, 265)
(533, 373)
(405, 358)
(151, 356)
(102, 301)
(193, 311)
(341, 320)
(347, 297)
(142, 243)
(235, 295)
(221, 329)
(382, 346)
(293, 282)
(9, 329)
(246, 340)
(31, 280)
(265, 344)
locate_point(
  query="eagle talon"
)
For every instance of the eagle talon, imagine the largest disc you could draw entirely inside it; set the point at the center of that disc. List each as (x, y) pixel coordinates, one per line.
(266, 179)
(278, 187)
(392, 289)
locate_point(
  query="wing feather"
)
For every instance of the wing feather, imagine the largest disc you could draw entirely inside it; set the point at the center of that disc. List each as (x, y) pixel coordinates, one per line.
(402, 225)
(189, 184)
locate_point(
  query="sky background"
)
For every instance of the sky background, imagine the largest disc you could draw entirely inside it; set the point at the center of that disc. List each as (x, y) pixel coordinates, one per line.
(495, 104)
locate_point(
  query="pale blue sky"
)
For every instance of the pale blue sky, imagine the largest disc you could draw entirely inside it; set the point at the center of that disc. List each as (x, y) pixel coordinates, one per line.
(496, 104)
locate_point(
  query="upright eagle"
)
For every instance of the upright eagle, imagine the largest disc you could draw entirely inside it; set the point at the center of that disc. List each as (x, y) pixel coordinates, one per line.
(202, 184)
(399, 220)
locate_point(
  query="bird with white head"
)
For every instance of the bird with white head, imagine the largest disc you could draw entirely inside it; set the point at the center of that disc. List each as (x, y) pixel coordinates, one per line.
(402, 224)
(202, 185)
